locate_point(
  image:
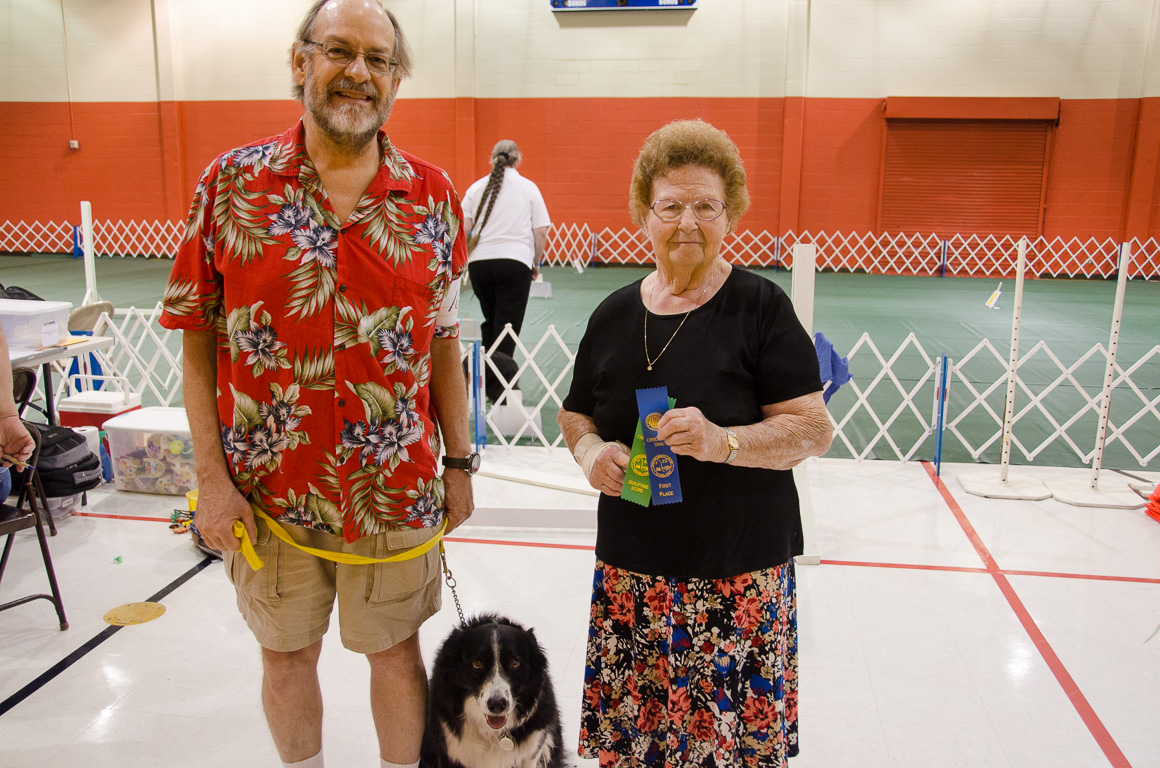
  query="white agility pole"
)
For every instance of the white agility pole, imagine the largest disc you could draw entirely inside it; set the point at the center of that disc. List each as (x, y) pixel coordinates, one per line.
(1006, 486)
(1089, 494)
(805, 260)
(91, 294)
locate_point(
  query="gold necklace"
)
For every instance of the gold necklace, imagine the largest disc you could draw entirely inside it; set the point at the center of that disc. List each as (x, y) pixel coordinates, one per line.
(652, 362)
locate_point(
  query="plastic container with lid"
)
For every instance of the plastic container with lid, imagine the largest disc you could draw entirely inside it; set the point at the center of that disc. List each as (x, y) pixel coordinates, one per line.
(34, 324)
(152, 451)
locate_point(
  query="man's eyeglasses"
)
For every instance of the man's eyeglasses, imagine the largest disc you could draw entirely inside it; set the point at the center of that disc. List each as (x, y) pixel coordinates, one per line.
(672, 210)
(344, 55)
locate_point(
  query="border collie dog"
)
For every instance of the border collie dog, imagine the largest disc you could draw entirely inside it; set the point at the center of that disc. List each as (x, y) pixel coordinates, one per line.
(491, 703)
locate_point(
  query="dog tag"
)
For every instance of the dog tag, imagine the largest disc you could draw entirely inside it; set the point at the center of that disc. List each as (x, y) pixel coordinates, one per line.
(506, 743)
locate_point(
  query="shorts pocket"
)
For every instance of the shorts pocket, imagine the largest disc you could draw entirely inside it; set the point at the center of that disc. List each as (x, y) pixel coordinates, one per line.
(262, 583)
(396, 581)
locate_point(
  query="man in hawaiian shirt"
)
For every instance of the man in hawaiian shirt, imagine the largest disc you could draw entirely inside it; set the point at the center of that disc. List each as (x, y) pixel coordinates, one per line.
(317, 292)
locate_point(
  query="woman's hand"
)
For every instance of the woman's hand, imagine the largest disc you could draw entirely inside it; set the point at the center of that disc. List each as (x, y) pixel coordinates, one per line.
(608, 469)
(689, 433)
(14, 439)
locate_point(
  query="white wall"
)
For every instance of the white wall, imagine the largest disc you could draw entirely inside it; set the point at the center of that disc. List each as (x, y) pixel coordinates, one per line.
(1073, 49)
(110, 50)
(237, 49)
(725, 48)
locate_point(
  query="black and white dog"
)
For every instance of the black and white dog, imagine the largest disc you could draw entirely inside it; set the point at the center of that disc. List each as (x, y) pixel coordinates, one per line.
(491, 703)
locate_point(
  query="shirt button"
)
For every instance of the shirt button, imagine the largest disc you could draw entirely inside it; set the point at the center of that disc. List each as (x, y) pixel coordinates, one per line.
(341, 403)
(342, 288)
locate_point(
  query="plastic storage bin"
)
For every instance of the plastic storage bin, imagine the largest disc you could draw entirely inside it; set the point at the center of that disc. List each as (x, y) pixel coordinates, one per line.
(34, 324)
(152, 451)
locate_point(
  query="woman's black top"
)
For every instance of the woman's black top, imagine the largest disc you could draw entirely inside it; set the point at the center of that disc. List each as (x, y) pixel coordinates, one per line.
(742, 349)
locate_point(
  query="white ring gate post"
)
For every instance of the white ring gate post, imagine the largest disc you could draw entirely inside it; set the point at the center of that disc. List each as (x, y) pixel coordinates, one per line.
(1089, 494)
(89, 245)
(1006, 486)
(805, 259)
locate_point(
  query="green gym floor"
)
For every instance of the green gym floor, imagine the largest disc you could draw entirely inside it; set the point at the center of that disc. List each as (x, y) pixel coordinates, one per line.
(946, 315)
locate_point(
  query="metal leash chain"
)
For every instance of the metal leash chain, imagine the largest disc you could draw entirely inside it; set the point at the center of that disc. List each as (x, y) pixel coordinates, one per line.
(451, 583)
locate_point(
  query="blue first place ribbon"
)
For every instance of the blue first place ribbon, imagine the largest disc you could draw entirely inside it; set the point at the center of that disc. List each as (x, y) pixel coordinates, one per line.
(663, 479)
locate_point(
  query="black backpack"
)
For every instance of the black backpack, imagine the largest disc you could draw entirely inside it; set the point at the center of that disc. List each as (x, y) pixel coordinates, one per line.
(16, 292)
(66, 465)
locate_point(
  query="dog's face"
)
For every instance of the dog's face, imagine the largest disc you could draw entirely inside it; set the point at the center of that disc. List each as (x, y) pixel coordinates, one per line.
(501, 668)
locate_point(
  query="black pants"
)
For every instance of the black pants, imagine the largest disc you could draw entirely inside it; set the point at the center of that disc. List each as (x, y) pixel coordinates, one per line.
(502, 287)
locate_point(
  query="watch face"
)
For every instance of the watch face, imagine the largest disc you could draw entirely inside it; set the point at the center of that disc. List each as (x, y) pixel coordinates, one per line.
(474, 458)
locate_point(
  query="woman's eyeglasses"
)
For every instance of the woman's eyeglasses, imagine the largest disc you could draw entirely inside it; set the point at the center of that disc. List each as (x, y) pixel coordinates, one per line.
(672, 210)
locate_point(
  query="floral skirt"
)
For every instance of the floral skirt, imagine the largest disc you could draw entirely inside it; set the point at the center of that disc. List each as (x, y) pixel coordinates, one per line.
(694, 672)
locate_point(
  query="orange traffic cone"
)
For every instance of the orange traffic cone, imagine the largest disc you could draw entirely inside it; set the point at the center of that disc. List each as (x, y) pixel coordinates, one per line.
(1153, 505)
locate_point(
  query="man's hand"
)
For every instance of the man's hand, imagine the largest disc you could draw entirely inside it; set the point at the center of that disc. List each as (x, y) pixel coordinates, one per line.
(458, 501)
(15, 440)
(218, 506)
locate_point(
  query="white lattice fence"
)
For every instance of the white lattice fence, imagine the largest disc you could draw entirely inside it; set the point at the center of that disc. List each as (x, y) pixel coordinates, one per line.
(23, 237)
(886, 411)
(890, 254)
(137, 238)
(1056, 403)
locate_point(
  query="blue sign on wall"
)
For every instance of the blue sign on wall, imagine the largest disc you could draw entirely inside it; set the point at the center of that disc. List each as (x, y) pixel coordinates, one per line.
(623, 5)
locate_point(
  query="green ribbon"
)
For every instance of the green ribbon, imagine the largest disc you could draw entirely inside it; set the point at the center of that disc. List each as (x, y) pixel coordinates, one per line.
(636, 486)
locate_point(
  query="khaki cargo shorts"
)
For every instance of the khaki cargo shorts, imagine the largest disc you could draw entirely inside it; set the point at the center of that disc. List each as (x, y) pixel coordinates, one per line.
(287, 604)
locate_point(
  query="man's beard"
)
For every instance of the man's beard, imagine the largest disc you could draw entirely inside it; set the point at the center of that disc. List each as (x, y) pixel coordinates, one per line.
(350, 126)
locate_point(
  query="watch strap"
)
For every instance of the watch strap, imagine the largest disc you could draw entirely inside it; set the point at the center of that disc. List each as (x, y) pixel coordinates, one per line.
(731, 439)
(469, 463)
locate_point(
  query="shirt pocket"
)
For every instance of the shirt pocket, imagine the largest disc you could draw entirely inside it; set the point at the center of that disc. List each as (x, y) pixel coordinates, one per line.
(423, 301)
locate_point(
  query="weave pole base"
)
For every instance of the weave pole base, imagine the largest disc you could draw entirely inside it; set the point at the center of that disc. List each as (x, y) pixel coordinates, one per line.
(1079, 493)
(992, 486)
(1144, 489)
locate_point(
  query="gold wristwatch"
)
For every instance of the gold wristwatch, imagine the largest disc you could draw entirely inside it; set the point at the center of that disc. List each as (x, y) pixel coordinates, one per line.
(731, 439)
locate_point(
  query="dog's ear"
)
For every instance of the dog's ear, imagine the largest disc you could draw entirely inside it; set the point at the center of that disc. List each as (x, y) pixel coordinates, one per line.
(536, 655)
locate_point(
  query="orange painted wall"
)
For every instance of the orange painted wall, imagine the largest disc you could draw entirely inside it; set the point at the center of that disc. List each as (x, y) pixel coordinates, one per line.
(1091, 162)
(141, 161)
(580, 151)
(841, 165)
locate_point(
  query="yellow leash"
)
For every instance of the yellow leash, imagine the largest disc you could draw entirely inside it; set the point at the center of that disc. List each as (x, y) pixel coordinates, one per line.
(339, 557)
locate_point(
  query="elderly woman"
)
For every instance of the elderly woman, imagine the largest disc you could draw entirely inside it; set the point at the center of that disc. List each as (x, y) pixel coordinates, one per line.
(692, 650)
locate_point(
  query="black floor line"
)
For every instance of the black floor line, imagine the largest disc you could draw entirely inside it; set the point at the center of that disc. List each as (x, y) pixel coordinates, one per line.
(104, 635)
(1134, 477)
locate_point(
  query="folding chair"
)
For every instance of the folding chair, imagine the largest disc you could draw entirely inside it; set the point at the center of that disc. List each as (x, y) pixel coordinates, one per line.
(23, 388)
(16, 517)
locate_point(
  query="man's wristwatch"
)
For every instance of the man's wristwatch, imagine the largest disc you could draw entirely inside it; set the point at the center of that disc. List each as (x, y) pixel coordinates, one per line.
(731, 439)
(469, 463)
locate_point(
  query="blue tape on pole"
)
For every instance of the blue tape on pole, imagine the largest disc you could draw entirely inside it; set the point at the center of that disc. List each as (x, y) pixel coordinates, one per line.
(477, 394)
(942, 411)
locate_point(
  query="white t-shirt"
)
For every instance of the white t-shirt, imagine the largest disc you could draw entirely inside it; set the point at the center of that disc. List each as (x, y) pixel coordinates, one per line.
(518, 210)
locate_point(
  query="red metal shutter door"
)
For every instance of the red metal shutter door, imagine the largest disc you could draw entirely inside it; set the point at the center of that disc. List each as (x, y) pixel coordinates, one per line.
(951, 177)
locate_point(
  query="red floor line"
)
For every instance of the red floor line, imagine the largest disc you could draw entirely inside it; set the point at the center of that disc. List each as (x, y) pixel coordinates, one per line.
(1087, 576)
(124, 517)
(906, 566)
(504, 543)
(848, 563)
(1103, 738)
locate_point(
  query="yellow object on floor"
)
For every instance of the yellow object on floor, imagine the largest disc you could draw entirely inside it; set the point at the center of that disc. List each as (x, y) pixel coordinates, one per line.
(134, 613)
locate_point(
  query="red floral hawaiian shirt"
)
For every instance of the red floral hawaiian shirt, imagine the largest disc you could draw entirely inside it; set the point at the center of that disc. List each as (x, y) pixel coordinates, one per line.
(324, 331)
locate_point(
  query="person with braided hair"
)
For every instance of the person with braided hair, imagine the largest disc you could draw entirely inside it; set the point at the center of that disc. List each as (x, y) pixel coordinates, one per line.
(507, 222)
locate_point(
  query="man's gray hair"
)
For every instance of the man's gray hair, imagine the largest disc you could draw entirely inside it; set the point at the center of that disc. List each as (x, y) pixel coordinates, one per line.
(402, 52)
